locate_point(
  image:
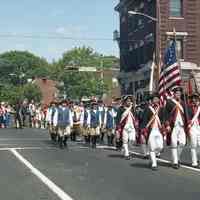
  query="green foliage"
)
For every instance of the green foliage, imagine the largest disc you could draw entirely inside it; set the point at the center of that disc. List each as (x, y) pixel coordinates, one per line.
(78, 84)
(13, 94)
(21, 63)
(18, 66)
(86, 56)
(10, 94)
(81, 84)
(32, 91)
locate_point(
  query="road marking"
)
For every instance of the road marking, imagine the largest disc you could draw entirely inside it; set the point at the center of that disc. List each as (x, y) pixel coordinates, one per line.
(24, 139)
(50, 184)
(26, 148)
(167, 161)
(159, 159)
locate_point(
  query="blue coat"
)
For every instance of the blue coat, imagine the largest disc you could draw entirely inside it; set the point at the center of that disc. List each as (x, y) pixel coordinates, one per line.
(63, 117)
(95, 119)
(110, 121)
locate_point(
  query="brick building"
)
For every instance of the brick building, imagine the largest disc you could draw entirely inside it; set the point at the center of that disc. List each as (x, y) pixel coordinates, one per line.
(48, 89)
(142, 39)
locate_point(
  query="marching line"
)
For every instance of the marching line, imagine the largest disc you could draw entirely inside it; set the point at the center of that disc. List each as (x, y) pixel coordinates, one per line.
(50, 184)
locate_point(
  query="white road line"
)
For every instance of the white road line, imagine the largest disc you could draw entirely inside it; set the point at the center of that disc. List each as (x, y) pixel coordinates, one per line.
(24, 139)
(50, 184)
(159, 159)
(26, 148)
(167, 161)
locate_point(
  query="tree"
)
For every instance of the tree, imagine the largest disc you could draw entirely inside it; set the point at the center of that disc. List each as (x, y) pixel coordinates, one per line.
(22, 62)
(32, 92)
(13, 94)
(85, 56)
(79, 84)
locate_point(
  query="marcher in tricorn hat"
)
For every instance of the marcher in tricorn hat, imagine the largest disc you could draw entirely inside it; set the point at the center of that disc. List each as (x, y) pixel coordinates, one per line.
(152, 129)
(95, 123)
(194, 127)
(175, 121)
(109, 123)
(102, 110)
(86, 123)
(126, 124)
(51, 119)
(65, 123)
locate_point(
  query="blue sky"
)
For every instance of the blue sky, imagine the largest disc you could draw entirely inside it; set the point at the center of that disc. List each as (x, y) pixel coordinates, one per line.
(61, 18)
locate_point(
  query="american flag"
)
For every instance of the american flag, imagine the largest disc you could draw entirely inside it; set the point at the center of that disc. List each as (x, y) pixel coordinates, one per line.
(170, 76)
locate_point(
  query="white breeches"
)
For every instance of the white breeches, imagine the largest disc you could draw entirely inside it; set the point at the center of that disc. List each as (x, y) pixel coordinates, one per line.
(128, 135)
(64, 131)
(195, 143)
(155, 141)
(178, 137)
(155, 144)
(178, 141)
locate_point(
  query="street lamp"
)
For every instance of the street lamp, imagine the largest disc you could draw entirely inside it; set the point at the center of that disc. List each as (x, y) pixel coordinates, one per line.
(142, 14)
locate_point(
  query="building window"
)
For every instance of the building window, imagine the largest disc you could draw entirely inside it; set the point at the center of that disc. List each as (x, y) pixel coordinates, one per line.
(176, 8)
(179, 48)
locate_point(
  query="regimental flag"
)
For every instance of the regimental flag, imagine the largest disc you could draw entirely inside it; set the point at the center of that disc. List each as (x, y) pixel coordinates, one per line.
(170, 76)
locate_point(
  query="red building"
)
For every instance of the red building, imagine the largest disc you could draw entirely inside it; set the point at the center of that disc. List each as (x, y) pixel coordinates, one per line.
(142, 39)
(48, 89)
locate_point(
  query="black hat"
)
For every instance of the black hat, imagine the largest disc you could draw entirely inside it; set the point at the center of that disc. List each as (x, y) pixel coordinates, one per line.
(100, 101)
(53, 102)
(177, 89)
(124, 98)
(64, 101)
(195, 96)
(93, 103)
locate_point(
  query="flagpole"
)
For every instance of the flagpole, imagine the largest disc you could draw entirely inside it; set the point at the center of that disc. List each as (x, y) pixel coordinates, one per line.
(179, 65)
(157, 58)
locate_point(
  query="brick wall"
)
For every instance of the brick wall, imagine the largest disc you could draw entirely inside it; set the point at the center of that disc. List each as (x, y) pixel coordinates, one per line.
(190, 23)
(48, 89)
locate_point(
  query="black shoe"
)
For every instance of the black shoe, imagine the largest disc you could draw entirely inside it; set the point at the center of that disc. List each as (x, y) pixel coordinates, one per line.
(176, 166)
(146, 157)
(158, 156)
(154, 168)
(196, 166)
(128, 157)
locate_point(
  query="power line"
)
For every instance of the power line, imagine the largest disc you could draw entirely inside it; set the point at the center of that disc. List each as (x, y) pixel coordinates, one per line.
(52, 37)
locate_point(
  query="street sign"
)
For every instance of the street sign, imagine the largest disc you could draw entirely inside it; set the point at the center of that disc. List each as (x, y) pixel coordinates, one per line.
(87, 69)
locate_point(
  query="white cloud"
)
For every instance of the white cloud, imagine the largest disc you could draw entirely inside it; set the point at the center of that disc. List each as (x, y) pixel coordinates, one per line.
(72, 30)
(60, 30)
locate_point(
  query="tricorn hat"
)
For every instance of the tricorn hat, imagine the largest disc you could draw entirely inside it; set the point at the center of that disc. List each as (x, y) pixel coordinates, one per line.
(195, 96)
(178, 88)
(124, 98)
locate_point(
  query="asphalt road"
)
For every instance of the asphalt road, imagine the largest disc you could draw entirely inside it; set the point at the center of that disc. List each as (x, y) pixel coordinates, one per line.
(34, 168)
